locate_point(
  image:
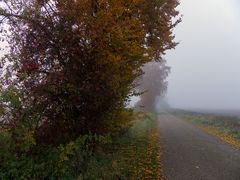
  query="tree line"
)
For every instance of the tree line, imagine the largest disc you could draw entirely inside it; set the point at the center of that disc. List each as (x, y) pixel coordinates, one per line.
(72, 65)
(70, 70)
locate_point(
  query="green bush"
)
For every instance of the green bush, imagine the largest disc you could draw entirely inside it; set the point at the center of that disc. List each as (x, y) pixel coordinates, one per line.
(65, 161)
(89, 157)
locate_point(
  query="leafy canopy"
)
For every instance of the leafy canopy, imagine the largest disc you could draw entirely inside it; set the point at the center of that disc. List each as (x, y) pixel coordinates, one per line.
(73, 63)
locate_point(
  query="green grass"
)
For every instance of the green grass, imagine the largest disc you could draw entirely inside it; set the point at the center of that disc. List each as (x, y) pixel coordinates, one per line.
(227, 125)
(132, 156)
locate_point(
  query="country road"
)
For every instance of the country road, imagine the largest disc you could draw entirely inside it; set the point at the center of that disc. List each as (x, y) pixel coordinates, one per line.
(190, 154)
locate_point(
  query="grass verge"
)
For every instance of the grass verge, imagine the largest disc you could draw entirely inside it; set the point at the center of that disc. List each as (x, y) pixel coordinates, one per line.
(137, 154)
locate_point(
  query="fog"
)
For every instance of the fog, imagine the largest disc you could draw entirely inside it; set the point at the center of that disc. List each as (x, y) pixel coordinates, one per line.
(205, 66)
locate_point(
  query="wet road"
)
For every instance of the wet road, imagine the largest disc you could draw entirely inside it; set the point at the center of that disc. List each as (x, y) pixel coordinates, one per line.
(191, 154)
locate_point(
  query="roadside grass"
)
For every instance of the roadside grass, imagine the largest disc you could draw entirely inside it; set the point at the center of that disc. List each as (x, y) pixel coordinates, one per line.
(135, 155)
(225, 128)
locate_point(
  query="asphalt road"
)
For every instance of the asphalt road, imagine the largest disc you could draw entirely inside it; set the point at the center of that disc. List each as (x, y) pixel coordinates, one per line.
(191, 154)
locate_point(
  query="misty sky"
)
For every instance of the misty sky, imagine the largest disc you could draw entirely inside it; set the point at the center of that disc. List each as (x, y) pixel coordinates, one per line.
(206, 64)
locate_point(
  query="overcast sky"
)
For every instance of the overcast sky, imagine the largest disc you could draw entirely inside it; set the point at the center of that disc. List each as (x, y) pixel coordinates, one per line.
(206, 64)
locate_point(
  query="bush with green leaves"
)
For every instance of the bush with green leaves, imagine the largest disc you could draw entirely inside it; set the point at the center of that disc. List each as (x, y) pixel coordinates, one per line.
(67, 161)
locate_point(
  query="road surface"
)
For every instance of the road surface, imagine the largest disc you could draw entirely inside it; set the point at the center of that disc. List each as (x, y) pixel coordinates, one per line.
(191, 154)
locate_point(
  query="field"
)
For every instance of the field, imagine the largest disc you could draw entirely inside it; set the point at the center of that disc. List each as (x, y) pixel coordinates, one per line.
(225, 127)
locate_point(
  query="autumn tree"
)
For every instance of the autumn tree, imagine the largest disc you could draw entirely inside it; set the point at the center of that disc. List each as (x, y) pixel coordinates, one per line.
(152, 84)
(72, 64)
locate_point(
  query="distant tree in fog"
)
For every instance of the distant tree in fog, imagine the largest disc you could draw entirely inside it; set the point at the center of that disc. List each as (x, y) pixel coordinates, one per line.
(152, 84)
